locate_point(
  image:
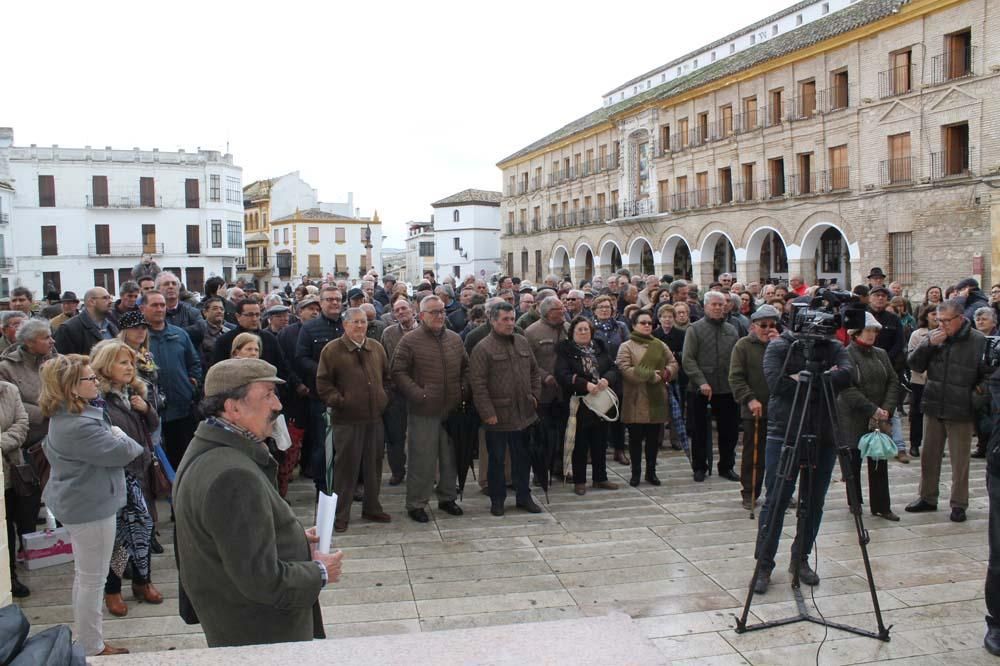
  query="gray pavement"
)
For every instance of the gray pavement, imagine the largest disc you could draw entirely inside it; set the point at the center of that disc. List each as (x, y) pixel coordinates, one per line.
(676, 558)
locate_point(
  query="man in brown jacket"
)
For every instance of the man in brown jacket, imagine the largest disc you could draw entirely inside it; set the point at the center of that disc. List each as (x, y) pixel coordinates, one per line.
(506, 385)
(544, 336)
(352, 379)
(429, 368)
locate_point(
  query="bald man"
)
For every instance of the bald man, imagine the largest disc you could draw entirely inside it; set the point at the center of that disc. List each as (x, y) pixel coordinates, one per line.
(82, 332)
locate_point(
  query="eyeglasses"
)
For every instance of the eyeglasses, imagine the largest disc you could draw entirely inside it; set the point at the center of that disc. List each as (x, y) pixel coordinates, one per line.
(92, 378)
(643, 323)
(765, 325)
(252, 315)
(331, 300)
(947, 320)
(435, 313)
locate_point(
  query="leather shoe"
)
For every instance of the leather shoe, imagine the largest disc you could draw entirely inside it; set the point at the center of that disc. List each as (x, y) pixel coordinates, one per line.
(606, 485)
(762, 582)
(580, 488)
(621, 457)
(699, 475)
(382, 517)
(18, 589)
(652, 479)
(634, 481)
(914, 451)
(529, 506)
(339, 526)
(992, 641)
(396, 480)
(920, 505)
(979, 453)
(451, 508)
(147, 593)
(748, 505)
(957, 515)
(155, 547)
(418, 515)
(887, 515)
(116, 605)
(496, 508)
(806, 573)
(111, 650)
(902, 457)
(729, 474)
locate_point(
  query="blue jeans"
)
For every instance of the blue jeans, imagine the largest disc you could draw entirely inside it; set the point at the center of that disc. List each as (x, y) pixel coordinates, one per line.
(897, 431)
(497, 444)
(811, 505)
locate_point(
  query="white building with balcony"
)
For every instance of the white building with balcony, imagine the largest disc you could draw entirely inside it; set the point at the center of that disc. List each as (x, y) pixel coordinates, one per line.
(6, 208)
(84, 216)
(467, 234)
(419, 250)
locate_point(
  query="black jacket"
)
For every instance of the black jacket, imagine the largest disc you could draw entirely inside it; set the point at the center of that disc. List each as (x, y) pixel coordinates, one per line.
(954, 370)
(573, 380)
(183, 316)
(890, 338)
(312, 338)
(79, 334)
(458, 319)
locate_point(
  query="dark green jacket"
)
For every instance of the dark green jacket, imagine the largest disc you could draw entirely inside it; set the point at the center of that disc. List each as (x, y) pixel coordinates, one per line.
(746, 375)
(954, 369)
(708, 345)
(874, 385)
(244, 561)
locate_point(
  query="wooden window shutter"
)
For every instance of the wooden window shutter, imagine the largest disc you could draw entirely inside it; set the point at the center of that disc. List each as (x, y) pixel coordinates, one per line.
(191, 199)
(193, 239)
(147, 192)
(47, 191)
(99, 187)
(102, 238)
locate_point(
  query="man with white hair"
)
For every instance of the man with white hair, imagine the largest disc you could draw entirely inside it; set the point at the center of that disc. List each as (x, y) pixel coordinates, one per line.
(544, 337)
(82, 332)
(708, 348)
(179, 313)
(573, 302)
(10, 321)
(652, 282)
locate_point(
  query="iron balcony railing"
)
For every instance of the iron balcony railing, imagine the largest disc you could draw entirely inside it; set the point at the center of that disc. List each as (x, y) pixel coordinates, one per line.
(897, 171)
(949, 164)
(609, 162)
(536, 183)
(723, 194)
(4, 218)
(522, 187)
(896, 81)
(745, 191)
(680, 201)
(127, 201)
(510, 228)
(772, 188)
(804, 184)
(953, 64)
(123, 249)
(6, 263)
(536, 225)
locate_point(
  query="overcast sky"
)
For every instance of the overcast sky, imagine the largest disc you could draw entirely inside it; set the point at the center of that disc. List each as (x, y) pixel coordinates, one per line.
(401, 103)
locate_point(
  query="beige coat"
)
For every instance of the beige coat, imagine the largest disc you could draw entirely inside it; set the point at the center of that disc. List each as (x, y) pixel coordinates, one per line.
(13, 429)
(544, 338)
(21, 369)
(634, 402)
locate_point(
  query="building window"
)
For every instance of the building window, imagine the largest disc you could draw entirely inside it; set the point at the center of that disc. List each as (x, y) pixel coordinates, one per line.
(798, 19)
(839, 93)
(215, 187)
(776, 176)
(732, 48)
(807, 99)
(340, 234)
(149, 239)
(313, 234)
(953, 160)
(538, 266)
(102, 238)
(826, 8)
(99, 191)
(726, 120)
(147, 192)
(233, 194)
(901, 256)
(457, 243)
(193, 239)
(897, 167)
(191, 199)
(234, 233)
(276, 235)
(664, 139)
(217, 234)
(749, 113)
(50, 245)
(753, 38)
(713, 56)
(46, 191)
(284, 265)
(839, 169)
(774, 29)
(284, 235)
(52, 281)
(426, 248)
(642, 170)
(314, 266)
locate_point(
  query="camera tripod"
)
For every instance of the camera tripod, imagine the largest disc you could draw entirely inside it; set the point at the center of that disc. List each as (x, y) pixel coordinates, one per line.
(789, 464)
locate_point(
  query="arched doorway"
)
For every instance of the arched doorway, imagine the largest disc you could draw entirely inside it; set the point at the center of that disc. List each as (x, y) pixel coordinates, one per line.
(830, 253)
(767, 257)
(640, 257)
(677, 258)
(560, 263)
(584, 264)
(720, 248)
(611, 257)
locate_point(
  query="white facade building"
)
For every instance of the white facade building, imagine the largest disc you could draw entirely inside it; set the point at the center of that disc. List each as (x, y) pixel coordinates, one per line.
(467, 234)
(83, 216)
(419, 250)
(314, 243)
(7, 275)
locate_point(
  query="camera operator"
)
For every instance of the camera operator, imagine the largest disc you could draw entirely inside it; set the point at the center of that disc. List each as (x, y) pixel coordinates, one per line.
(992, 640)
(784, 359)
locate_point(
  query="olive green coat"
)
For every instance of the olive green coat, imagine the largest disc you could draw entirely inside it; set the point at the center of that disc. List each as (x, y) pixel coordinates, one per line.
(874, 385)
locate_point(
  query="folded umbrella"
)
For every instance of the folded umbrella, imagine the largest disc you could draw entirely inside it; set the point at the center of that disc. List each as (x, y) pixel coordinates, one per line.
(462, 427)
(541, 448)
(569, 443)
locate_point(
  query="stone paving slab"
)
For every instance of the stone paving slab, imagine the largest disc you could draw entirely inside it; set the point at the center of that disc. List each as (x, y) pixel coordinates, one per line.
(676, 558)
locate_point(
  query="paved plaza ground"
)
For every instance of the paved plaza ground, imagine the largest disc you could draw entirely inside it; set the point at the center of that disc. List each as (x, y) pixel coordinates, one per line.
(676, 558)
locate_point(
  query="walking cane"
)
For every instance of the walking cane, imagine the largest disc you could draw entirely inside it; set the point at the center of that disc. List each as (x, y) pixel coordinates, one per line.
(753, 472)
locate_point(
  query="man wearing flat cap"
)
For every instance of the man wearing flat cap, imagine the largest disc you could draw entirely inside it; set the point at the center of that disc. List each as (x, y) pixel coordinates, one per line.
(245, 563)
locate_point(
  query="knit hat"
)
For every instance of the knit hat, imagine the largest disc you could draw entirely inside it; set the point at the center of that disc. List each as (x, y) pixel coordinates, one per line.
(870, 322)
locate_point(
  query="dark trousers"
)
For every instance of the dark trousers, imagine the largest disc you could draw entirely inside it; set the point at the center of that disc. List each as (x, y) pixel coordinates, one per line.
(591, 437)
(552, 421)
(9, 505)
(644, 437)
(878, 482)
(313, 463)
(779, 495)
(177, 434)
(359, 456)
(497, 444)
(993, 568)
(616, 435)
(751, 479)
(727, 418)
(113, 583)
(394, 419)
(916, 415)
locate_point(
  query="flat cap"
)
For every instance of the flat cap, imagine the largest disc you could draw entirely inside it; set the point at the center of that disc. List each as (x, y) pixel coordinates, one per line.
(765, 312)
(233, 373)
(355, 293)
(308, 300)
(277, 309)
(880, 290)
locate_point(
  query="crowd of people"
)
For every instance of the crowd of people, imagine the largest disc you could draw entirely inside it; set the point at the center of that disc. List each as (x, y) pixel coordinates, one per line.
(323, 380)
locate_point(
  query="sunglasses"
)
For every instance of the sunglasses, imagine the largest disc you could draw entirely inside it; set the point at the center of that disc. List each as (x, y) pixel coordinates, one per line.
(766, 325)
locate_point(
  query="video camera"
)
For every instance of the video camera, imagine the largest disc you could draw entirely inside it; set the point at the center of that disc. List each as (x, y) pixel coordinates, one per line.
(827, 312)
(991, 354)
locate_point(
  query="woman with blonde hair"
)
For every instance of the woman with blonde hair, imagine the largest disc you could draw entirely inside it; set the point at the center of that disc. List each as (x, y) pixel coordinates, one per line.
(86, 485)
(246, 345)
(127, 406)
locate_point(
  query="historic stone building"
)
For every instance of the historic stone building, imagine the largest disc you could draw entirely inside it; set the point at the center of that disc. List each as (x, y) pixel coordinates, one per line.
(823, 140)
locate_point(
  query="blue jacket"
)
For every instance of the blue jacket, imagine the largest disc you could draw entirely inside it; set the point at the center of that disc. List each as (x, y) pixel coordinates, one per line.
(87, 481)
(179, 363)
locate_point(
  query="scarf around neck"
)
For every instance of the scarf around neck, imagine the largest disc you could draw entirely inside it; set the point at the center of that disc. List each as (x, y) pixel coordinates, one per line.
(654, 360)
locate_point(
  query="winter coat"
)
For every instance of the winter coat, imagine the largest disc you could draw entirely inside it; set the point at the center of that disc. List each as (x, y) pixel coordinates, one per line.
(391, 337)
(975, 300)
(81, 333)
(313, 337)
(955, 369)
(13, 429)
(431, 371)
(708, 346)
(353, 381)
(178, 364)
(573, 379)
(890, 337)
(137, 426)
(874, 385)
(87, 479)
(916, 339)
(634, 402)
(614, 338)
(22, 369)
(183, 316)
(543, 339)
(746, 375)
(506, 382)
(151, 269)
(243, 558)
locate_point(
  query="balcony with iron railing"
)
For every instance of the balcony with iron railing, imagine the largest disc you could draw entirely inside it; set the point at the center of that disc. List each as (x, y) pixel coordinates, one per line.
(536, 183)
(124, 201)
(536, 225)
(679, 201)
(950, 164)
(772, 188)
(774, 115)
(896, 171)
(6, 263)
(608, 162)
(956, 63)
(819, 182)
(745, 191)
(896, 81)
(522, 187)
(4, 218)
(509, 228)
(123, 249)
(634, 208)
